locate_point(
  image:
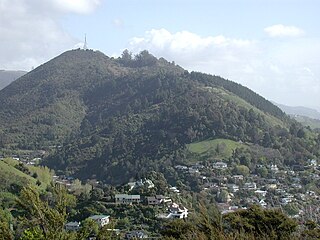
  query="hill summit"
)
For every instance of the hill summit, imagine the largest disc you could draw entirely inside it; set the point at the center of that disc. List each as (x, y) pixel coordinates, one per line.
(113, 118)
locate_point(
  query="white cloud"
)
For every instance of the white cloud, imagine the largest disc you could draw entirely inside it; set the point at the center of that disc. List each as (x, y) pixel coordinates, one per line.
(280, 30)
(77, 6)
(285, 71)
(30, 30)
(190, 49)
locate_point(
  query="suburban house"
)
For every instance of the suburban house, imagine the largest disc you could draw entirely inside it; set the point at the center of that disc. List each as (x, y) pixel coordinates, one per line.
(136, 235)
(238, 177)
(72, 226)
(127, 199)
(102, 220)
(176, 211)
(158, 199)
(250, 186)
(220, 165)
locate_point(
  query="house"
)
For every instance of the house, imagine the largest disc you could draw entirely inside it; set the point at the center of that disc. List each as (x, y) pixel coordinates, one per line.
(250, 186)
(72, 226)
(158, 199)
(136, 235)
(193, 170)
(233, 188)
(181, 167)
(127, 199)
(220, 165)
(198, 166)
(274, 168)
(144, 183)
(141, 183)
(175, 189)
(260, 193)
(238, 177)
(152, 201)
(176, 211)
(262, 203)
(102, 220)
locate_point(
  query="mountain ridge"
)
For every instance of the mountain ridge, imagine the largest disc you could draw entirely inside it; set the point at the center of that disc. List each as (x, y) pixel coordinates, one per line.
(299, 110)
(114, 118)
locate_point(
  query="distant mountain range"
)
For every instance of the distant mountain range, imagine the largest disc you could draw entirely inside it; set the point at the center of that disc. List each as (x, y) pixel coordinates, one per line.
(306, 116)
(6, 77)
(301, 111)
(112, 119)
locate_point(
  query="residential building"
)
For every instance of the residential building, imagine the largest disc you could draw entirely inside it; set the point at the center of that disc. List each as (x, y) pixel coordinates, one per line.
(102, 220)
(127, 199)
(136, 235)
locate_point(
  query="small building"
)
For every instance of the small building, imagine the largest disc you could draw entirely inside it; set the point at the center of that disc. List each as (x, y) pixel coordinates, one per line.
(233, 188)
(174, 189)
(220, 165)
(127, 199)
(152, 201)
(177, 211)
(102, 220)
(158, 199)
(181, 167)
(137, 234)
(72, 226)
(250, 186)
(237, 177)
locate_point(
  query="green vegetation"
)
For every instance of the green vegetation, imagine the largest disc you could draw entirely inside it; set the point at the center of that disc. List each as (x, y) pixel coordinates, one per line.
(111, 119)
(217, 148)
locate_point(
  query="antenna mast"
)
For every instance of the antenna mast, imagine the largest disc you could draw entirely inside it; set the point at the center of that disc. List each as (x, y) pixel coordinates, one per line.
(85, 46)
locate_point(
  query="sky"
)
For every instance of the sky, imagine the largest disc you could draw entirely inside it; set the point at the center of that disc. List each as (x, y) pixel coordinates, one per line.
(270, 46)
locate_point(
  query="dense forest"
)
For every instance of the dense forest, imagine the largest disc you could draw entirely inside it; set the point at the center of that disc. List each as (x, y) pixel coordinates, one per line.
(113, 119)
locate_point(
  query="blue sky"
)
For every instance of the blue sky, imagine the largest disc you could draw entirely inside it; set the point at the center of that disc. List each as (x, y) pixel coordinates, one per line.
(270, 46)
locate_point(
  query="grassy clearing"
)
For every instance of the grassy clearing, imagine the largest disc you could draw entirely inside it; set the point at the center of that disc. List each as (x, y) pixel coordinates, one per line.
(10, 174)
(217, 148)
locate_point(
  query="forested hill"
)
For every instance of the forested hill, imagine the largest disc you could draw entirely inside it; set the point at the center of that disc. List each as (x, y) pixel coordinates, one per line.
(113, 118)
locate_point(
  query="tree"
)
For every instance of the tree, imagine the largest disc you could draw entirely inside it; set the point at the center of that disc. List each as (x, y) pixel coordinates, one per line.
(223, 196)
(262, 171)
(45, 218)
(242, 170)
(5, 231)
(89, 228)
(182, 230)
(96, 194)
(261, 223)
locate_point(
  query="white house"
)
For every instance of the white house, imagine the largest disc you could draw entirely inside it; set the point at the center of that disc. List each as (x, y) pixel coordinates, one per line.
(176, 211)
(220, 165)
(102, 220)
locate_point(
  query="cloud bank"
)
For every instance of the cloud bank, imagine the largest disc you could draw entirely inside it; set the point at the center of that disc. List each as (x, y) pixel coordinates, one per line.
(280, 30)
(283, 71)
(30, 30)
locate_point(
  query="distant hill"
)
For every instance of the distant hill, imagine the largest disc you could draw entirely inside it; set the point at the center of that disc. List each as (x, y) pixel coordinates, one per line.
(306, 121)
(301, 111)
(6, 77)
(114, 119)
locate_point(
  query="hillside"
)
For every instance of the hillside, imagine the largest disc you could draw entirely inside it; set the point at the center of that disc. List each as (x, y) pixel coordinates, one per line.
(112, 119)
(6, 77)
